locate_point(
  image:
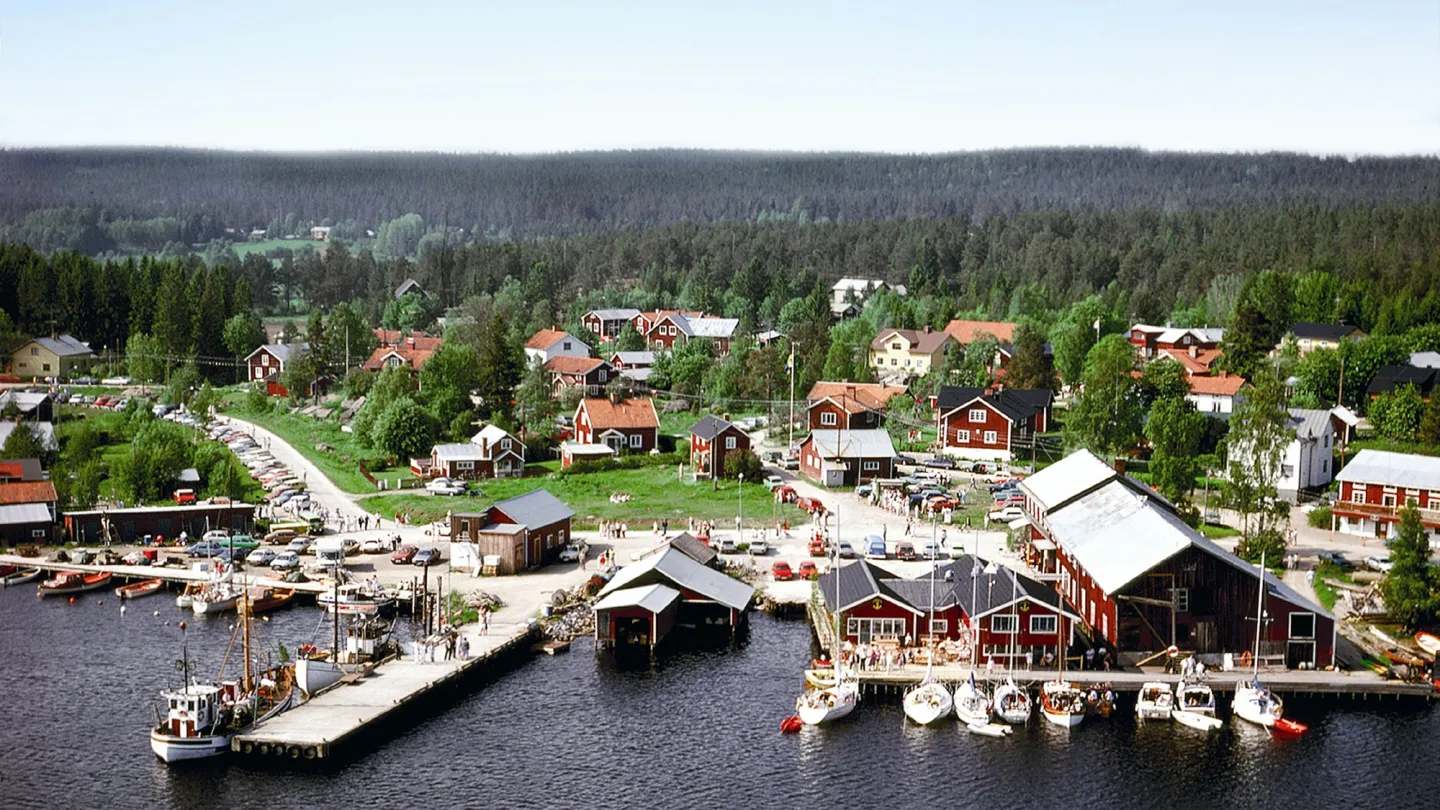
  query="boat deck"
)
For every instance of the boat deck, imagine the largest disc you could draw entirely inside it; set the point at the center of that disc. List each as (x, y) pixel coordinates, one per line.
(318, 728)
(168, 573)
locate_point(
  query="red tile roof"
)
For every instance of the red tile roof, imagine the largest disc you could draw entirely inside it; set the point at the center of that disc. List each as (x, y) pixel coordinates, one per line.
(564, 364)
(854, 397)
(27, 492)
(1225, 386)
(968, 332)
(415, 356)
(627, 413)
(419, 339)
(1199, 364)
(545, 338)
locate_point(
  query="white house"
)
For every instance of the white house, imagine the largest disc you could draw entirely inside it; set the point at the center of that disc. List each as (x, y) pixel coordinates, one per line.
(548, 344)
(1306, 463)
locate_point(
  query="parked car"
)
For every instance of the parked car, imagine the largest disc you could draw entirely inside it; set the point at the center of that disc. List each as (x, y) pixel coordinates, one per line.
(571, 553)
(811, 505)
(298, 544)
(785, 494)
(758, 547)
(403, 555)
(208, 548)
(1007, 514)
(904, 459)
(772, 457)
(929, 549)
(446, 486)
(864, 490)
(808, 570)
(261, 556)
(773, 481)
(376, 545)
(427, 556)
(817, 547)
(846, 551)
(956, 551)
(875, 547)
(1336, 559)
(781, 571)
(728, 546)
(184, 496)
(940, 463)
(791, 463)
(1379, 562)
(285, 561)
(904, 551)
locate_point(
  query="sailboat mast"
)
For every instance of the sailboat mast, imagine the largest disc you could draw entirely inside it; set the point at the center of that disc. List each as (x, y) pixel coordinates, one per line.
(245, 618)
(335, 620)
(1259, 615)
(930, 628)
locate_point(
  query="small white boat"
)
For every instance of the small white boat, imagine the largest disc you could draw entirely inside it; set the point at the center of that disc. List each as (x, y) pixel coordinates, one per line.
(818, 707)
(195, 726)
(20, 577)
(214, 600)
(1195, 707)
(1062, 704)
(972, 705)
(927, 703)
(989, 729)
(1155, 702)
(1256, 703)
(354, 599)
(1012, 704)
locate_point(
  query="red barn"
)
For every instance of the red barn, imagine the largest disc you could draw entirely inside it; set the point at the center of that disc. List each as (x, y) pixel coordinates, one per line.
(521, 533)
(711, 439)
(1377, 484)
(845, 458)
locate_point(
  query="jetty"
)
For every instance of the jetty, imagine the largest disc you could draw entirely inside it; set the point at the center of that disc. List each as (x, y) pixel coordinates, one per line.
(165, 572)
(335, 720)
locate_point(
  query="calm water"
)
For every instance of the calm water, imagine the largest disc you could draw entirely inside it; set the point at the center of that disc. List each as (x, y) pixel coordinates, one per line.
(701, 730)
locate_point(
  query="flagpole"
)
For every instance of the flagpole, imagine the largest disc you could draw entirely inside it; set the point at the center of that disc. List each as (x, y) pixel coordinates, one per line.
(790, 367)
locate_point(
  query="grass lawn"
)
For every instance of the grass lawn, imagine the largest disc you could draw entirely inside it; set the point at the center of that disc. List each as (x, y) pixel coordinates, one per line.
(1215, 531)
(1376, 443)
(655, 495)
(341, 464)
(266, 245)
(1325, 592)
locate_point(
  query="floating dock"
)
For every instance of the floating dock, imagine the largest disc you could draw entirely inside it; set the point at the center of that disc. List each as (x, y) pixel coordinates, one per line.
(329, 723)
(165, 572)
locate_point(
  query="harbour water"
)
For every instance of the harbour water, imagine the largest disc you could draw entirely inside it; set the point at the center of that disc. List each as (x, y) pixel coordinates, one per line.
(699, 730)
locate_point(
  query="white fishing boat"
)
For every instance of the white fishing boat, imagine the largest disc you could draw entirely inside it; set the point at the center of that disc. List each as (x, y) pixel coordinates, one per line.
(355, 599)
(1195, 707)
(929, 701)
(1061, 703)
(972, 705)
(1155, 702)
(1254, 701)
(1012, 703)
(215, 599)
(365, 642)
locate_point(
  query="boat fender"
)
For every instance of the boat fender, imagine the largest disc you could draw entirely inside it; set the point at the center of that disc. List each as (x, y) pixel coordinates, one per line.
(264, 748)
(1245, 659)
(247, 748)
(310, 752)
(294, 752)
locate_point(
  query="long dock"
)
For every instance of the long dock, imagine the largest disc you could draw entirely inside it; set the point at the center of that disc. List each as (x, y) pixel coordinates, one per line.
(322, 727)
(165, 572)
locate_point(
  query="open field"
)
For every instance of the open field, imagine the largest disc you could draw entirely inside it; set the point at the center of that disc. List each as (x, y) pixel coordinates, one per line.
(266, 245)
(341, 464)
(655, 494)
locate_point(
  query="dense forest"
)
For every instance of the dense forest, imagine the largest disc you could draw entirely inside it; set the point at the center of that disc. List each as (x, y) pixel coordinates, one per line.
(94, 200)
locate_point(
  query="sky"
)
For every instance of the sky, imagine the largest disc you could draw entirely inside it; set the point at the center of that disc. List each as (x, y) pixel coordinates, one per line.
(896, 76)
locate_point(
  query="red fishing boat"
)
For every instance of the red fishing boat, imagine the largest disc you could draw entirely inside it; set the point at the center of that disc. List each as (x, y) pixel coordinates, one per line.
(68, 582)
(264, 600)
(135, 590)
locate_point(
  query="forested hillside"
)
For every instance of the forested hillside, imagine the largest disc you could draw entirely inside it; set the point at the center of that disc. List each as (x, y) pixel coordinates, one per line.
(94, 200)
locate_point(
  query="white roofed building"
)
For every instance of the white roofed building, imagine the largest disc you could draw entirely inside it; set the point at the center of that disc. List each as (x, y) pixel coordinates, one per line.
(1377, 484)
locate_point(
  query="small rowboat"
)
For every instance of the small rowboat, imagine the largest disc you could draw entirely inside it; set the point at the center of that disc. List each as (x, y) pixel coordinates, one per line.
(135, 590)
(21, 576)
(1285, 725)
(1409, 659)
(1429, 642)
(989, 729)
(791, 724)
(821, 663)
(264, 600)
(68, 582)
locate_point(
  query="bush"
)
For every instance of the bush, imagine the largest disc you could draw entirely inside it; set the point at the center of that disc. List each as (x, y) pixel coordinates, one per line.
(634, 462)
(1320, 518)
(742, 461)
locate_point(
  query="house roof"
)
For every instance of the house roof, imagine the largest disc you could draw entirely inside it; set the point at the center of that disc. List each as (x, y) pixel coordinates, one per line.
(859, 285)
(1425, 359)
(1067, 479)
(1225, 386)
(22, 469)
(44, 431)
(535, 508)
(633, 413)
(1322, 331)
(24, 401)
(27, 492)
(707, 327)
(631, 359)
(618, 314)
(711, 426)
(1394, 469)
(457, 452)
(419, 337)
(280, 351)
(578, 449)
(21, 513)
(768, 336)
(694, 549)
(491, 434)
(1117, 534)
(1389, 378)
(968, 332)
(853, 443)
(189, 475)
(637, 374)
(1015, 404)
(1172, 334)
(991, 591)
(923, 341)
(855, 396)
(676, 566)
(413, 356)
(565, 364)
(408, 285)
(1197, 365)
(546, 338)
(1309, 423)
(65, 346)
(858, 581)
(653, 598)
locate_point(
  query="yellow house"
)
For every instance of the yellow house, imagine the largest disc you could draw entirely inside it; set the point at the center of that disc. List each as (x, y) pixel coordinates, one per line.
(63, 357)
(910, 352)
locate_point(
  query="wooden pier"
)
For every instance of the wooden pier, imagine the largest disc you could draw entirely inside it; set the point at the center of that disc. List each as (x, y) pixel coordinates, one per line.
(165, 572)
(335, 719)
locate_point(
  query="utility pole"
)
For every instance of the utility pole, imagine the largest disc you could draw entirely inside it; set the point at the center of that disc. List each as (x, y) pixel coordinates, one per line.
(790, 440)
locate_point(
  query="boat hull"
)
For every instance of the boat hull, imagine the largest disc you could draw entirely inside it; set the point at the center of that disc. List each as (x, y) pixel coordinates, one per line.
(1428, 642)
(205, 607)
(825, 706)
(1063, 719)
(79, 587)
(989, 729)
(139, 589)
(1196, 720)
(1255, 707)
(169, 748)
(971, 706)
(928, 703)
(315, 674)
(21, 577)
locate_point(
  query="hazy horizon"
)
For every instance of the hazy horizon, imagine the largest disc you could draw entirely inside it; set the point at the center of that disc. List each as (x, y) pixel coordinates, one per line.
(918, 78)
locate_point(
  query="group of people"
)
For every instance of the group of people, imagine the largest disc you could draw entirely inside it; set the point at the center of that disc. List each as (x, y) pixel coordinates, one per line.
(1097, 658)
(613, 529)
(450, 642)
(872, 657)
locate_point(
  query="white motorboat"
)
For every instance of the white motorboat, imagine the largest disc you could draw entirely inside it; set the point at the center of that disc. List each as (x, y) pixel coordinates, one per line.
(215, 599)
(1256, 703)
(364, 642)
(972, 705)
(1195, 707)
(355, 599)
(1062, 704)
(1012, 703)
(1155, 702)
(989, 729)
(928, 703)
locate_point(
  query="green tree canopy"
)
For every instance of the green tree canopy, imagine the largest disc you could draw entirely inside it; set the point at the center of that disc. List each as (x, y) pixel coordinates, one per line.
(1107, 414)
(1411, 585)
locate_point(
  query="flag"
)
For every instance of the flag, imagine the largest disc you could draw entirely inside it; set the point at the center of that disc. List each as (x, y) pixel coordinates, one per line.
(1097, 325)
(790, 362)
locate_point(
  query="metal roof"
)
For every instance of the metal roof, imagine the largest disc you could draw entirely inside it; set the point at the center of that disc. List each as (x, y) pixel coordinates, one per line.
(637, 374)
(1067, 478)
(711, 426)
(458, 452)
(578, 449)
(16, 514)
(1393, 469)
(534, 509)
(635, 358)
(653, 598)
(280, 351)
(65, 346)
(853, 443)
(859, 581)
(694, 549)
(1321, 331)
(1425, 359)
(25, 401)
(491, 434)
(712, 327)
(675, 566)
(1117, 534)
(1309, 423)
(44, 431)
(618, 314)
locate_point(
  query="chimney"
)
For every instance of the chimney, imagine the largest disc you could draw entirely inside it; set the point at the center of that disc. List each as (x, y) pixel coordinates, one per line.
(1120, 464)
(927, 328)
(1223, 373)
(725, 417)
(999, 386)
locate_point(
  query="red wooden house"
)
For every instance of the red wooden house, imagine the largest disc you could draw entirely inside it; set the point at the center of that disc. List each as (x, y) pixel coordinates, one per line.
(711, 439)
(1149, 341)
(606, 324)
(523, 532)
(1377, 484)
(845, 458)
(397, 349)
(670, 329)
(990, 423)
(267, 363)
(852, 406)
(590, 373)
(626, 425)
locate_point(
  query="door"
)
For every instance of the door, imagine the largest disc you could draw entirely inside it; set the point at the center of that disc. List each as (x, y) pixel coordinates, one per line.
(1298, 652)
(616, 443)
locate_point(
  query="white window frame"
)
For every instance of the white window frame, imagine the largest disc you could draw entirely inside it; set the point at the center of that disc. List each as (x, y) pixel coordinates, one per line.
(976, 415)
(729, 442)
(1051, 625)
(1182, 600)
(1357, 493)
(1290, 625)
(602, 375)
(962, 436)
(464, 465)
(870, 466)
(636, 440)
(38, 533)
(828, 418)
(939, 626)
(504, 444)
(1005, 624)
(991, 437)
(264, 359)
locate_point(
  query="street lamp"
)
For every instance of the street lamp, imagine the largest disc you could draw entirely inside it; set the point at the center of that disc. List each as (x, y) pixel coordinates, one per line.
(740, 508)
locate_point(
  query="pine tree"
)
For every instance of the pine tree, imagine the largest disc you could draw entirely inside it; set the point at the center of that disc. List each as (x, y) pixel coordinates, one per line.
(1030, 366)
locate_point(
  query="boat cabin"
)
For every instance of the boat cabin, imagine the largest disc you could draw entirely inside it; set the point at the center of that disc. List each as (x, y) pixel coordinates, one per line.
(194, 711)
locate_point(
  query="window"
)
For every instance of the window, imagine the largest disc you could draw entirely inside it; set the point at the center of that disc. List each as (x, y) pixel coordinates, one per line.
(1325, 465)
(871, 466)
(562, 536)
(464, 465)
(1043, 625)
(895, 346)
(939, 625)
(34, 352)
(504, 444)
(827, 418)
(729, 442)
(259, 373)
(1182, 600)
(1004, 624)
(894, 362)
(1357, 495)
(1302, 625)
(549, 541)
(868, 629)
(636, 440)
(1287, 470)
(46, 366)
(907, 362)
(990, 437)
(977, 415)
(602, 375)
(879, 361)
(264, 359)
(37, 532)
(595, 327)
(566, 346)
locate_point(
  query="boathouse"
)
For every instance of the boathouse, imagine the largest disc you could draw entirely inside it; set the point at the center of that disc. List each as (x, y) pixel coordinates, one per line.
(523, 532)
(132, 525)
(1142, 579)
(639, 616)
(706, 597)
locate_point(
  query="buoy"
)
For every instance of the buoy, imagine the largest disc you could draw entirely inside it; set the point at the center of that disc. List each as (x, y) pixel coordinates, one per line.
(182, 625)
(101, 602)
(122, 610)
(157, 613)
(167, 622)
(72, 600)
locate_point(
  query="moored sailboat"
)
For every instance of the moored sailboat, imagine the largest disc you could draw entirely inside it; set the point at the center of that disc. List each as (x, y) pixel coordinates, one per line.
(929, 701)
(1253, 700)
(818, 707)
